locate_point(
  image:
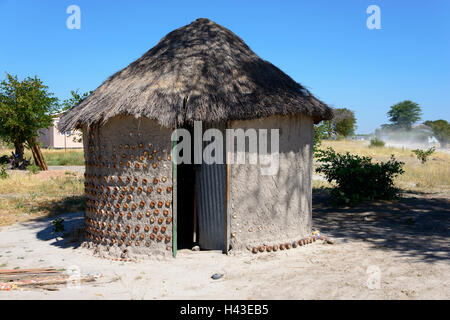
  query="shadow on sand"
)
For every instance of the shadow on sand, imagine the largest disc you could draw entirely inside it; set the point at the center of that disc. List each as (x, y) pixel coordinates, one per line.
(73, 222)
(416, 225)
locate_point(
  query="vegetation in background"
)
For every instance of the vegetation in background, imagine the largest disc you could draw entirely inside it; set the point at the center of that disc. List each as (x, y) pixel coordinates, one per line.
(404, 114)
(33, 169)
(342, 125)
(344, 122)
(433, 177)
(357, 178)
(423, 155)
(76, 98)
(58, 226)
(55, 157)
(72, 102)
(3, 173)
(3, 159)
(418, 134)
(441, 130)
(322, 131)
(375, 142)
(47, 193)
(25, 107)
(65, 158)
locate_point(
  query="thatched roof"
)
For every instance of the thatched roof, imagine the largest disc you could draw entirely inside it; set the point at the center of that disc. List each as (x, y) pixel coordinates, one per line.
(201, 71)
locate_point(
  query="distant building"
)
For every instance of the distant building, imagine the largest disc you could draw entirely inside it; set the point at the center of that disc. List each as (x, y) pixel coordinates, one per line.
(361, 137)
(52, 138)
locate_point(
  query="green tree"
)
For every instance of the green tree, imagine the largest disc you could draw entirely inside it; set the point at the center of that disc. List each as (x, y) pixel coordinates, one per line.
(74, 100)
(441, 130)
(322, 131)
(344, 122)
(25, 107)
(404, 114)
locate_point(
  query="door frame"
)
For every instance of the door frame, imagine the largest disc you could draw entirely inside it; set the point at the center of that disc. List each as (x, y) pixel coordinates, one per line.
(174, 198)
(228, 208)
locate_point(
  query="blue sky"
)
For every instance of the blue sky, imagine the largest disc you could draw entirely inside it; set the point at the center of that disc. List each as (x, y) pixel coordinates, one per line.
(325, 45)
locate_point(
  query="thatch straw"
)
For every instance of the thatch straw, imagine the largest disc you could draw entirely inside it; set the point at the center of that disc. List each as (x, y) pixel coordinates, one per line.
(201, 71)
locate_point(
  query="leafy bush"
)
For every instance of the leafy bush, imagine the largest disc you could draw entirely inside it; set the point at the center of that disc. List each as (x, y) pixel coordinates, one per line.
(3, 173)
(33, 169)
(322, 131)
(344, 122)
(58, 225)
(4, 159)
(423, 155)
(376, 143)
(441, 130)
(357, 178)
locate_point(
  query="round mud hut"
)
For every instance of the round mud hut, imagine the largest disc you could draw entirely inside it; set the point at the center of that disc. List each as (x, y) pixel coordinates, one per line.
(139, 201)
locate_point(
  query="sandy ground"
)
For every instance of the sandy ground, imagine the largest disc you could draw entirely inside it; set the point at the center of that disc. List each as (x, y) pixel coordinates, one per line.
(383, 251)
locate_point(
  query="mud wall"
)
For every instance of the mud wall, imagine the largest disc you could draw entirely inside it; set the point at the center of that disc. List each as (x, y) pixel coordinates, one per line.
(128, 187)
(274, 209)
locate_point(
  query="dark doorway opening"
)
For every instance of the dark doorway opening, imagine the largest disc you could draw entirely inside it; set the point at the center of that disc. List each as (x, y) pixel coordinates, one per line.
(186, 215)
(201, 199)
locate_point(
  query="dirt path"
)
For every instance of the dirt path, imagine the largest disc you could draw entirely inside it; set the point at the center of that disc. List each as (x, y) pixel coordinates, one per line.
(404, 245)
(78, 169)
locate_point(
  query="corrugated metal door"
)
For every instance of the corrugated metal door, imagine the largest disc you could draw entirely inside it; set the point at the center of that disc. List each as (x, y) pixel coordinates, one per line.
(211, 180)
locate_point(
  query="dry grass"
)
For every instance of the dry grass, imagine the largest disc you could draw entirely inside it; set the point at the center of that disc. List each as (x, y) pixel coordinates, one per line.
(433, 176)
(26, 196)
(55, 157)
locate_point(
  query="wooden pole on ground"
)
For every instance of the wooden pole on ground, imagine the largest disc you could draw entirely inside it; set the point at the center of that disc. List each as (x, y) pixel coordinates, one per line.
(37, 155)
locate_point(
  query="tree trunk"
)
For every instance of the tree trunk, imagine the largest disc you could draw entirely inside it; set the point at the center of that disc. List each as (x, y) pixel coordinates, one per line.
(19, 151)
(37, 160)
(41, 162)
(37, 155)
